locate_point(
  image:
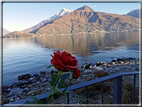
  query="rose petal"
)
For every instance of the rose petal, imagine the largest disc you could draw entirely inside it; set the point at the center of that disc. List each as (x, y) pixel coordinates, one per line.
(64, 61)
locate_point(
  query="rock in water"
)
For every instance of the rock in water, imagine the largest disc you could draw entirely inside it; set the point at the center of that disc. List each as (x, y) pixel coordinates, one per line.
(43, 72)
(20, 77)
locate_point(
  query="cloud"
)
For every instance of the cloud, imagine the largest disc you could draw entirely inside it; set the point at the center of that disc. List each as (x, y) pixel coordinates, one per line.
(94, 6)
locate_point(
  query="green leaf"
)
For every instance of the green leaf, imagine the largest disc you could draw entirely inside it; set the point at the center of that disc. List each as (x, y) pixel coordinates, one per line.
(64, 76)
(66, 93)
(61, 84)
(59, 73)
(54, 77)
(88, 66)
(56, 68)
(51, 87)
(49, 66)
(52, 82)
(41, 101)
(57, 90)
(35, 99)
(29, 102)
(57, 95)
(81, 75)
(51, 72)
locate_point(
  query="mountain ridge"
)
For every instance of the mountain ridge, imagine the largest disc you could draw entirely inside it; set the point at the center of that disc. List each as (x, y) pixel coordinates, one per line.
(5, 31)
(134, 13)
(62, 12)
(85, 8)
(18, 34)
(85, 19)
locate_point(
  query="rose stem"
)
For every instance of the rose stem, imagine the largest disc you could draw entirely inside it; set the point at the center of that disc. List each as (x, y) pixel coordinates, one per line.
(68, 84)
(56, 83)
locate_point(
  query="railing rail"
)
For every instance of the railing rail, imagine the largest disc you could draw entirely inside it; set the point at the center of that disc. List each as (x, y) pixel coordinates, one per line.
(117, 88)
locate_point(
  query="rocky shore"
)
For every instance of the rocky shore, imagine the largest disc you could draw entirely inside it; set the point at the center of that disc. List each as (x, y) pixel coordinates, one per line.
(38, 83)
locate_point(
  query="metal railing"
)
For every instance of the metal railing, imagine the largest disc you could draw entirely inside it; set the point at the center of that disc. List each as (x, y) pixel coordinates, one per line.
(117, 88)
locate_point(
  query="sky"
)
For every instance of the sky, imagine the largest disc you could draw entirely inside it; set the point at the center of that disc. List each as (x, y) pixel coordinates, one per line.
(20, 16)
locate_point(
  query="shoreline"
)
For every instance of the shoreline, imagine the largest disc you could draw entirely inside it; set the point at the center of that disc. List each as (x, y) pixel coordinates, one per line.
(38, 84)
(78, 33)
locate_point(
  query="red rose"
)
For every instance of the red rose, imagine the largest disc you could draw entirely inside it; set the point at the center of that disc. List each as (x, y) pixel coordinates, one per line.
(64, 61)
(77, 73)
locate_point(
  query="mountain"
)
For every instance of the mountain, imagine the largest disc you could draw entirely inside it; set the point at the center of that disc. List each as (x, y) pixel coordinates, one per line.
(86, 8)
(85, 19)
(18, 34)
(59, 14)
(81, 20)
(134, 13)
(4, 31)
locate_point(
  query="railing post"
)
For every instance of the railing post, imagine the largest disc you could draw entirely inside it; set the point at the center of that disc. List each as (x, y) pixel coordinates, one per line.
(86, 95)
(68, 101)
(117, 90)
(134, 89)
(102, 92)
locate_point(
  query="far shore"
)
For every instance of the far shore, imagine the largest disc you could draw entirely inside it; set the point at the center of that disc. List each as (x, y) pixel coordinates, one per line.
(95, 32)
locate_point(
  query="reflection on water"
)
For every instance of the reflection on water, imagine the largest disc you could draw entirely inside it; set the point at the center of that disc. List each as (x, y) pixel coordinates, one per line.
(89, 44)
(32, 54)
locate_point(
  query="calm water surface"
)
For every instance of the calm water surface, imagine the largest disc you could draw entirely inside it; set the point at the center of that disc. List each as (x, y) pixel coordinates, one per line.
(32, 54)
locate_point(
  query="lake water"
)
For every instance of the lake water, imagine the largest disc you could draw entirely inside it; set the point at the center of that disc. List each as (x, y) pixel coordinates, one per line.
(31, 55)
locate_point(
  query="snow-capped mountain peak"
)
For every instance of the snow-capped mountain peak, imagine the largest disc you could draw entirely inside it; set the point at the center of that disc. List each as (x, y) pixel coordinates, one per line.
(67, 9)
(60, 13)
(63, 12)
